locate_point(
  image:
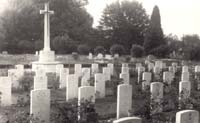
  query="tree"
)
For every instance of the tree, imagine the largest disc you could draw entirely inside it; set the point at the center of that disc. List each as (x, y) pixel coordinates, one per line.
(137, 51)
(191, 46)
(63, 44)
(124, 23)
(22, 21)
(154, 36)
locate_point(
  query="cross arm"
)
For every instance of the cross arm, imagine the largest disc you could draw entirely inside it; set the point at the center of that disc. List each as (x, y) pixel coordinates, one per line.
(45, 11)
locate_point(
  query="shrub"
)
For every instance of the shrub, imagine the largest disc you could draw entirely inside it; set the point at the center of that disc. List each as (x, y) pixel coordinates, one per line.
(161, 51)
(68, 112)
(63, 44)
(117, 49)
(25, 46)
(53, 81)
(75, 56)
(25, 83)
(137, 51)
(83, 49)
(99, 49)
(192, 54)
(39, 44)
(22, 116)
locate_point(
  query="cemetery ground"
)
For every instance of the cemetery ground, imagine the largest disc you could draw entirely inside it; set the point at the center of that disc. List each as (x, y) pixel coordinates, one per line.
(105, 107)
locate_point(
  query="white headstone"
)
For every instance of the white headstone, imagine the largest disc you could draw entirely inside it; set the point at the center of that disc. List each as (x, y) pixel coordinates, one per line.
(40, 82)
(158, 64)
(187, 116)
(116, 55)
(85, 77)
(163, 65)
(150, 66)
(138, 65)
(171, 69)
(100, 56)
(58, 68)
(4, 52)
(99, 85)
(78, 69)
(14, 77)
(64, 72)
(184, 89)
(40, 104)
(40, 72)
(185, 69)
(167, 77)
(90, 56)
(36, 53)
(185, 76)
(95, 68)
(146, 76)
(5, 90)
(124, 64)
(19, 67)
(156, 89)
(125, 77)
(157, 70)
(72, 87)
(20, 70)
(107, 73)
(124, 100)
(86, 93)
(140, 71)
(146, 79)
(197, 68)
(174, 64)
(128, 120)
(125, 70)
(111, 66)
(108, 56)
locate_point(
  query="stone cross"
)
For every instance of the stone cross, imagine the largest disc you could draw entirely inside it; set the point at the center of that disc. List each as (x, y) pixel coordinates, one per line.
(47, 14)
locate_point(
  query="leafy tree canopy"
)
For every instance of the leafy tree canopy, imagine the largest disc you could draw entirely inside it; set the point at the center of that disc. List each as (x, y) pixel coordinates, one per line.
(22, 21)
(124, 23)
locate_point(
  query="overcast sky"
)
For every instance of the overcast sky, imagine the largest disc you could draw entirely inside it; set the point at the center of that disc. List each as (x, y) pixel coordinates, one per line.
(177, 16)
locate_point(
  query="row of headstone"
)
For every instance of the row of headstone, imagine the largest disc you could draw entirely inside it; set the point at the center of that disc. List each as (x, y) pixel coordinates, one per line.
(100, 56)
(185, 116)
(88, 92)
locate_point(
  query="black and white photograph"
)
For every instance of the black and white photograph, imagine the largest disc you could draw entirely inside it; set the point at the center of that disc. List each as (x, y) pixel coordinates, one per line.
(99, 61)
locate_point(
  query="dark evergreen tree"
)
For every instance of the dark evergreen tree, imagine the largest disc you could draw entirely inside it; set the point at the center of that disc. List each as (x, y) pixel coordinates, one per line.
(154, 36)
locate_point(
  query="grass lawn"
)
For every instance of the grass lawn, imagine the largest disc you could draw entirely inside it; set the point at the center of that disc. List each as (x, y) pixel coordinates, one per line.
(28, 58)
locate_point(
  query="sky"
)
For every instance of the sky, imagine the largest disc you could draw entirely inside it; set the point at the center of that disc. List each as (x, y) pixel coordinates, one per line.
(179, 17)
